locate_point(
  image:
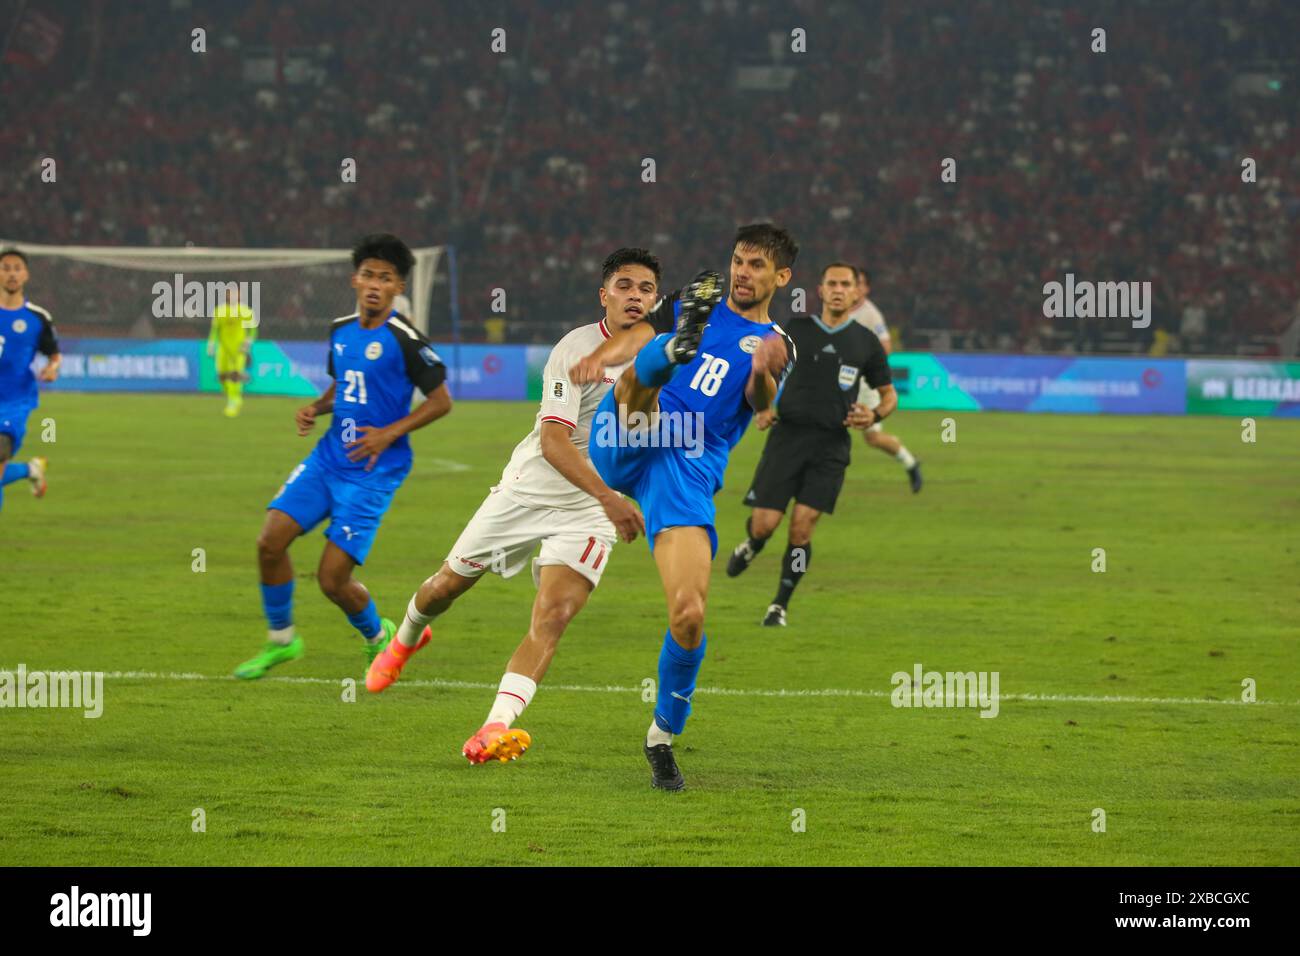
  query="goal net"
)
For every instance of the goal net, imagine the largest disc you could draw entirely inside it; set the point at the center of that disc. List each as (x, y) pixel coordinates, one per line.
(144, 292)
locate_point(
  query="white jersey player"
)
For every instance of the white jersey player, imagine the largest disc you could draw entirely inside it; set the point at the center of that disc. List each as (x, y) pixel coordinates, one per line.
(864, 312)
(549, 495)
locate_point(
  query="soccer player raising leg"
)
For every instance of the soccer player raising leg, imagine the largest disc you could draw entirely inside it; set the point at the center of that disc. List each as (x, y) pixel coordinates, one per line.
(377, 360)
(725, 362)
(25, 329)
(549, 494)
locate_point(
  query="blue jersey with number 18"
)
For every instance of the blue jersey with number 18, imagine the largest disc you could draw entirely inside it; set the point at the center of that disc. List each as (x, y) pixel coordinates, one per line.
(375, 373)
(713, 383)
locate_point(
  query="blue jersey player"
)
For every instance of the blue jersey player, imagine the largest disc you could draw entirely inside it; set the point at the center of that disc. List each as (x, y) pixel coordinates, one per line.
(25, 329)
(377, 360)
(664, 433)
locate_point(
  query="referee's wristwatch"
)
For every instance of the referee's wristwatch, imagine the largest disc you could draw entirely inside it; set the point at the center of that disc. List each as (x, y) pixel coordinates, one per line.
(879, 417)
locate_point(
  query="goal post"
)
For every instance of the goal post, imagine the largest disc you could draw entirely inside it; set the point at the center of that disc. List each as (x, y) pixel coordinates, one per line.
(154, 292)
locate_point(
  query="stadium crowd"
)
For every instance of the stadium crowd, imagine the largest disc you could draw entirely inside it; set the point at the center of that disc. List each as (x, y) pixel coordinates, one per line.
(1117, 166)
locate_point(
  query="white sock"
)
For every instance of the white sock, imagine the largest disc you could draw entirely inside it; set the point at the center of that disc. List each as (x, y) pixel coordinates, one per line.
(413, 624)
(656, 736)
(283, 636)
(513, 695)
(905, 456)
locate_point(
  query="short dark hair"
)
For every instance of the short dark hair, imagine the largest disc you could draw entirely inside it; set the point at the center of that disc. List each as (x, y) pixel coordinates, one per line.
(11, 251)
(385, 247)
(629, 256)
(863, 274)
(839, 264)
(771, 239)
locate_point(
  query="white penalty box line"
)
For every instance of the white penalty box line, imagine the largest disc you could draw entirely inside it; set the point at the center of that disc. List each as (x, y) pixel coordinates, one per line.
(443, 684)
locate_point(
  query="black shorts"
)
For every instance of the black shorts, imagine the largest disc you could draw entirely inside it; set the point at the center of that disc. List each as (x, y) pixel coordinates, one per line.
(800, 462)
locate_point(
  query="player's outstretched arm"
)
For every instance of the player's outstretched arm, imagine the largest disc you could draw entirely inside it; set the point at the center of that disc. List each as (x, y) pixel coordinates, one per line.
(372, 441)
(619, 348)
(623, 345)
(558, 449)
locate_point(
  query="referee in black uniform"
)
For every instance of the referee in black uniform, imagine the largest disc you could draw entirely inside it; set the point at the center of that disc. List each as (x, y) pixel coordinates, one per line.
(807, 450)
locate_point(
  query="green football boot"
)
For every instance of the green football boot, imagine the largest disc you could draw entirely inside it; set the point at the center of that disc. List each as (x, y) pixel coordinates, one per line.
(372, 650)
(270, 655)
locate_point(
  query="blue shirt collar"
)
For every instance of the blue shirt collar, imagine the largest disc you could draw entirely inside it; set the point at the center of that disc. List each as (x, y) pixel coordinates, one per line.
(831, 331)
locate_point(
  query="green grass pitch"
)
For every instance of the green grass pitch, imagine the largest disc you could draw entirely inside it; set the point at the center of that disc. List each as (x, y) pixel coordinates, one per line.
(1122, 690)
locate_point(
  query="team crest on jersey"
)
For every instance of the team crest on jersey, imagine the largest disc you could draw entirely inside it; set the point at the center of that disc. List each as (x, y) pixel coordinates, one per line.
(374, 350)
(848, 375)
(559, 391)
(20, 325)
(750, 344)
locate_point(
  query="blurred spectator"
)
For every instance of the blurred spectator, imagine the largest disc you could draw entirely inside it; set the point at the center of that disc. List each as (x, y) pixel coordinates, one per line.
(1122, 166)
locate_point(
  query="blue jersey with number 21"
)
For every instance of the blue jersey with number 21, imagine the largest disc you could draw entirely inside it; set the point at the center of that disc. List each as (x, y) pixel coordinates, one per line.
(375, 373)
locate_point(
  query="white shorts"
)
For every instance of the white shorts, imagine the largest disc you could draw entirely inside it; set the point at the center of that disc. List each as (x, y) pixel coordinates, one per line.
(869, 397)
(503, 534)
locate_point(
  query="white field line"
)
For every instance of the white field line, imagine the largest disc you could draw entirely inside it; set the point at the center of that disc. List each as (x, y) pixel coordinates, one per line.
(438, 682)
(445, 464)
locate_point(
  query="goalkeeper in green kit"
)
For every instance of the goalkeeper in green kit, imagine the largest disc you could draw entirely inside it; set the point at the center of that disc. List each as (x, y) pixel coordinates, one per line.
(234, 328)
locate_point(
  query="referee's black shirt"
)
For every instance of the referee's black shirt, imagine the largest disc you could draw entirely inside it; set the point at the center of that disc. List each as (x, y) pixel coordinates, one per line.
(824, 382)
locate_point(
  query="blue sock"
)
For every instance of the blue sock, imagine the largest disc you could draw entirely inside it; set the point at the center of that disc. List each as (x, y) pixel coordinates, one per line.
(367, 621)
(277, 602)
(678, 668)
(14, 472)
(653, 366)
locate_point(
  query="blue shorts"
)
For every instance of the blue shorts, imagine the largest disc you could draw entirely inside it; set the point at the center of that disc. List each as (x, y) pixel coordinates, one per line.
(672, 490)
(13, 422)
(313, 492)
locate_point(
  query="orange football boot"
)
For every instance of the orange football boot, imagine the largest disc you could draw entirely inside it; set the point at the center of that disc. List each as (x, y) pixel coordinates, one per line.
(496, 741)
(388, 663)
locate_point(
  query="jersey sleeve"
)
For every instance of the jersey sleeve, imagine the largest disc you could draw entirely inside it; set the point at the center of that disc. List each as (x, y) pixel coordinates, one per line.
(876, 369)
(561, 400)
(793, 354)
(424, 367)
(48, 343)
(663, 317)
(879, 325)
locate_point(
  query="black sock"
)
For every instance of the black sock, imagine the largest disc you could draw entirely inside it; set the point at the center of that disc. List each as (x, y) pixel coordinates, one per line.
(755, 544)
(795, 565)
